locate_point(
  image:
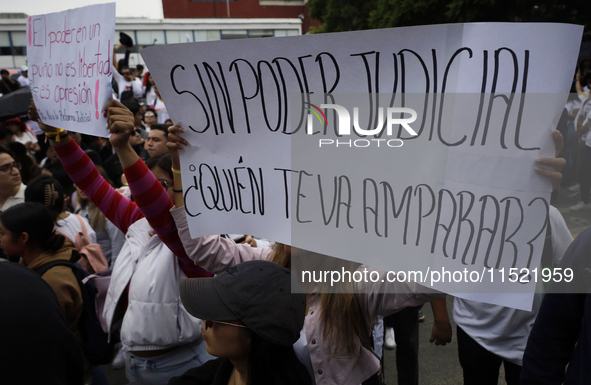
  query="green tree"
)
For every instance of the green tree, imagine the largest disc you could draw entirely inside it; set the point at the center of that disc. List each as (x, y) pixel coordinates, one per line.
(341, 15)
(351, 15)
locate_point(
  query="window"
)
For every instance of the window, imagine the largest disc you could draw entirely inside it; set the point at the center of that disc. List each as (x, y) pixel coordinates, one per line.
(253, 33)
(19, 43)
(149, 38)
(5, 44)
(230, 34)
(286, 32)
(174, 37)
(214, 35)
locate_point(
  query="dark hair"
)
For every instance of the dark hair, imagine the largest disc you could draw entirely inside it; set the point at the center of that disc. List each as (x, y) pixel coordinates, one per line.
(161, 127)
(4, 72)
(140, 68)
(21, 125)
(6, 150)
(164, 161)
(94, 156)
(148, 84)
(35, 220)
(4, 132)
(152, 110)
(17, 148)
(132, 106)
(47, 191)
(269, 363)
(59, 173)
(29, 168)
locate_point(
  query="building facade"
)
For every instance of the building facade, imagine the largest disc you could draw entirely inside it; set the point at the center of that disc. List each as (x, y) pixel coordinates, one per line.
(148, 32)
(248, 9)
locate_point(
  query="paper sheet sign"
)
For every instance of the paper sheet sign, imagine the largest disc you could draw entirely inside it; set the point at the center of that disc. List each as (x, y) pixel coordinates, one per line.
(70, 56)
(269, 157)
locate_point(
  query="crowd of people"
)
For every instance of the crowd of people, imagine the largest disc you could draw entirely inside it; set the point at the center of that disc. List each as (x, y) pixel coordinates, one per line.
(219, 309)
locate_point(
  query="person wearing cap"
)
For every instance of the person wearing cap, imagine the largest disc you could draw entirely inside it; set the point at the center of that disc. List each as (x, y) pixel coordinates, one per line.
(24, 78)
(23, 135)
(251, 319)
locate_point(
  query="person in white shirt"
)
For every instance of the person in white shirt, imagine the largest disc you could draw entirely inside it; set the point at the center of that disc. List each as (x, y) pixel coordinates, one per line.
(160, 108)
(50, 193)
(125, 82)
(24, 78)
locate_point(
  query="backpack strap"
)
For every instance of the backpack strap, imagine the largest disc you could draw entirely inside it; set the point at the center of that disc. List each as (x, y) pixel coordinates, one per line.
(85, 239)
(43, 269)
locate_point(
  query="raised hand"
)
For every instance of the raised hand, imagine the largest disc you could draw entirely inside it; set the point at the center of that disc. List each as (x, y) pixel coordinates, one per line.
(120, 123)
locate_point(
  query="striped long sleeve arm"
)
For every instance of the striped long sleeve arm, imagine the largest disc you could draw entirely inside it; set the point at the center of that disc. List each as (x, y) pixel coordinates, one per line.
(155, 204)
(122, 211)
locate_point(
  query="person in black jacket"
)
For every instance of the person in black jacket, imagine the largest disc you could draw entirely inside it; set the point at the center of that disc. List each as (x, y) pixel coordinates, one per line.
(8, 84)
(561, 335)
(37, 345)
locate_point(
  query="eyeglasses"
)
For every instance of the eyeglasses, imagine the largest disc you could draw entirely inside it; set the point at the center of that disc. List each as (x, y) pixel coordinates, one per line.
(7, 168)
(136, 131)
(164, 184)
(209, 324)
(150, 115)
(125, 73)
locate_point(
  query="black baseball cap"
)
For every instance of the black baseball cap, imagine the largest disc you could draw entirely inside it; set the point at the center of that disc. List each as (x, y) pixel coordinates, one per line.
(258, 293)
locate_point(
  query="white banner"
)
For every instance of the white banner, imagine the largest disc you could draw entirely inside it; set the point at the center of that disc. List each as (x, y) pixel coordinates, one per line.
(460, 194)
(70, 57)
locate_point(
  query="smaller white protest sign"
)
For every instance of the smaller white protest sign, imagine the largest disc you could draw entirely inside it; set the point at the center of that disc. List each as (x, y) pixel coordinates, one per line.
(70, 66)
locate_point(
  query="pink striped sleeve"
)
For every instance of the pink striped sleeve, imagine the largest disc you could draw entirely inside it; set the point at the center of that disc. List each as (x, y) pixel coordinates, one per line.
(155, 204)
(117, 208)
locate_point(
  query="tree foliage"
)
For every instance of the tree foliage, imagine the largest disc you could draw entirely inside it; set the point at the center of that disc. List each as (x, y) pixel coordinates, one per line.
(352, 15)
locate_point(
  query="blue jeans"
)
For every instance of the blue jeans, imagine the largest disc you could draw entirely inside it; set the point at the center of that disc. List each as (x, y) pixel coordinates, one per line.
(160, 369)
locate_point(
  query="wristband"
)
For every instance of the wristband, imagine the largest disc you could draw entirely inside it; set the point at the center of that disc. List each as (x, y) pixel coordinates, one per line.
(175, 171)
(177, 191)
(56, 134)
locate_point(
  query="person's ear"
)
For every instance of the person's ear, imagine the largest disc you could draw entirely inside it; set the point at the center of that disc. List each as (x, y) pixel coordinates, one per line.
(24, 238)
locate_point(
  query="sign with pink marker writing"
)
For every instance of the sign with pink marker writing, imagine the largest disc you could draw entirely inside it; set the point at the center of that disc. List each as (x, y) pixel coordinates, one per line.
(70, 56)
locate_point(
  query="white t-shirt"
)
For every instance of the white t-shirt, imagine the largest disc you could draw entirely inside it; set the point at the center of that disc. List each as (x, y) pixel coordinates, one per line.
(150, 96)
(161, 111)
(501, 330)
(16, 199)
(25, 82)
(70, 227)
(124, 85)
(27, 137)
